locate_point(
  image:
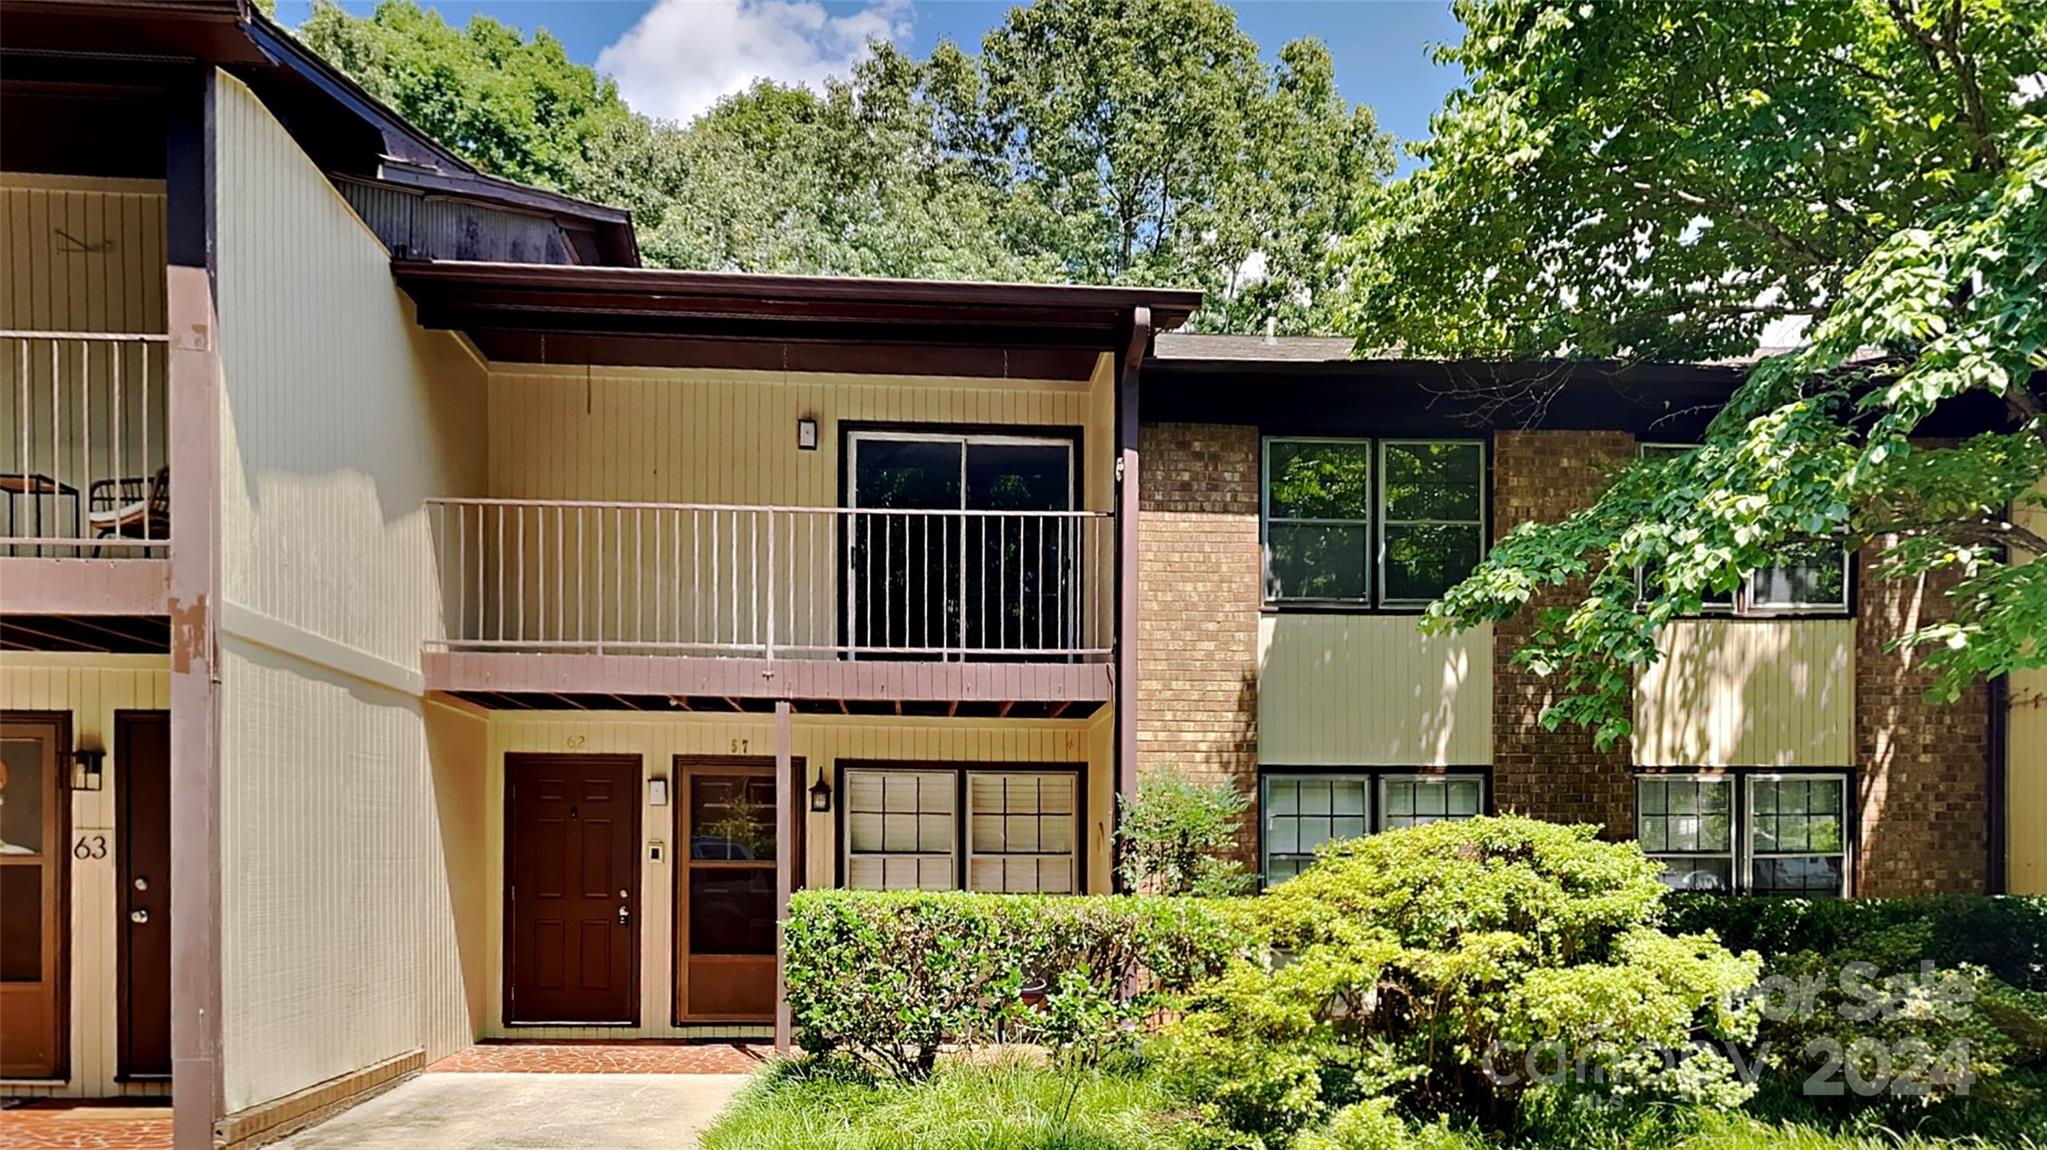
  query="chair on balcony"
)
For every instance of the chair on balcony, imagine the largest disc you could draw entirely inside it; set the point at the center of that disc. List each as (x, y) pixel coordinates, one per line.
(131, 507)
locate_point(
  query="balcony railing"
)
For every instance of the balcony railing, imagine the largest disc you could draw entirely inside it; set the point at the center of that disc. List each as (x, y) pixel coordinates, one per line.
(774, 582)
(86, 471)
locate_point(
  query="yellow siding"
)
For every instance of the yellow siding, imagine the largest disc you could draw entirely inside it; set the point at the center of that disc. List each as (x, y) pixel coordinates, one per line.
(82, 254)
(1372, 690)
(1749, 693)
(819, 740)
(92, 688)
(349, 848)
(2026, 740)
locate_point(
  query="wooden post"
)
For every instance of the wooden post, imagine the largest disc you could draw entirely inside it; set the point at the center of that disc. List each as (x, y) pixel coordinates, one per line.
(1127, 553)
(785, 863)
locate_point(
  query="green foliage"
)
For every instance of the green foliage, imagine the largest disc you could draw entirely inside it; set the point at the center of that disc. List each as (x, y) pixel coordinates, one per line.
(1013, 1105)
(1087, 142)
(2006, 933)
(514, 107)
(1178, 836)
(1647, 180)
(890, 977)
(1432, 964)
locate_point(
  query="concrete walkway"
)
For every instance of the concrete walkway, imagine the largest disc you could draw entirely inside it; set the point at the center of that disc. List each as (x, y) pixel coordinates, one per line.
(458, 1111)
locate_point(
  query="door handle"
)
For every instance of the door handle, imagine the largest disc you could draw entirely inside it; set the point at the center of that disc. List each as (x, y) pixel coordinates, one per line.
(625, 916)
(140, 915)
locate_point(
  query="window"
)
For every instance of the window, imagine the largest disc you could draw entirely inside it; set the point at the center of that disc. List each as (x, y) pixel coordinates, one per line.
(1318, 520)
(1788, 835)
(1300, 812)
(1391, 523)
(1021, 832)
(1808, 577)
(1432, 518)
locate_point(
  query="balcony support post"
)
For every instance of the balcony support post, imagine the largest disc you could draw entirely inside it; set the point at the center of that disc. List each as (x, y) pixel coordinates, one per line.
(1127, 550)
(785, 865)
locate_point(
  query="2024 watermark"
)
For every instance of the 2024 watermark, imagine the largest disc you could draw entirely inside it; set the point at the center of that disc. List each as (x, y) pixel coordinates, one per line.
(1867, 1065)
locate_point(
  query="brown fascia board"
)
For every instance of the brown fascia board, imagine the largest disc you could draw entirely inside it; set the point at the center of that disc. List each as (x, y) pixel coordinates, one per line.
(134, 30)
(548, 290)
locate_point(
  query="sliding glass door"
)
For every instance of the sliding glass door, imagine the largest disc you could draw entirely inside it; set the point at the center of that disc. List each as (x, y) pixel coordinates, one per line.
(949, 549)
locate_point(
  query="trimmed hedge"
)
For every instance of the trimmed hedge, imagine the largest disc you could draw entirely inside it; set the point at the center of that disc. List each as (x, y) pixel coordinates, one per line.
(891, 977)
(2006, 934)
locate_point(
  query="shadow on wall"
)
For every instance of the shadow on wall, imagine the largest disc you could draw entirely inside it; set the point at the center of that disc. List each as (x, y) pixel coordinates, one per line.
(1775, 693)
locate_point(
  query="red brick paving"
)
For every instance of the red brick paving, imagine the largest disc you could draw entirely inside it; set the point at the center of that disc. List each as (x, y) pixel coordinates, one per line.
(54, 1125)
(607, 1058)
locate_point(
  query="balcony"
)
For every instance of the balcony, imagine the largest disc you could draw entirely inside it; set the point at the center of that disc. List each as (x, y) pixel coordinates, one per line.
(739, 603)
(85, 475)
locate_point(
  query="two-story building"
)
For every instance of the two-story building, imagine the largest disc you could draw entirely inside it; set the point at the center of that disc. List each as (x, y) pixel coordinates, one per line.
(524, 625)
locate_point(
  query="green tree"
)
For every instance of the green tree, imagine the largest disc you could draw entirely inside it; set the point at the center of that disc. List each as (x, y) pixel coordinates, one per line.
(1178, 836)
(1656, 179)
(514, 107)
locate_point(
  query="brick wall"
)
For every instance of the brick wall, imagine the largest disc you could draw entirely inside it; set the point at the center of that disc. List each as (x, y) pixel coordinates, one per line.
(1198, 582)
(1922, 767)
(1556, 775)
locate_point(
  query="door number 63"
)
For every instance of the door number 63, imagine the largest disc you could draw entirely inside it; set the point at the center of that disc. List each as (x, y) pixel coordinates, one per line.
(90, 846)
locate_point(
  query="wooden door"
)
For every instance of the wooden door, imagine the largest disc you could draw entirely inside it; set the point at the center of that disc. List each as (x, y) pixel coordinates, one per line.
(725, 888)
(35, 753)
(572, 914)
(142, 785)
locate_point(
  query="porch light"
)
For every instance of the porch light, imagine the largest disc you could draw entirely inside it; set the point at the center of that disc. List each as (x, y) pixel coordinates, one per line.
(806, 434)
(85, 768)
(821, 795)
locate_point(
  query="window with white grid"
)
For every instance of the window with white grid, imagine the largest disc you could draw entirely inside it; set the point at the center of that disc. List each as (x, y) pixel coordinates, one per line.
(1412, 800)
(902, 830)
(1797, 834)
(1021, 832)
(1300, 812)
(1687, 824)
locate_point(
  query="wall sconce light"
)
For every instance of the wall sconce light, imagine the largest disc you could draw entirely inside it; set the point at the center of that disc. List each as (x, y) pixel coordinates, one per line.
(821, 795)
(85, 768)
(806, 434)
(657, 791)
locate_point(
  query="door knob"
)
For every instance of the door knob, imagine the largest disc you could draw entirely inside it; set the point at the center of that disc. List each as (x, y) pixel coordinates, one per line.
(141, 883)
(138, 916)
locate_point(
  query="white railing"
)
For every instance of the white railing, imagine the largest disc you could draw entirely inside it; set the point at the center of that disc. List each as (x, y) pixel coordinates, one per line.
(774, 582)
(85, 468)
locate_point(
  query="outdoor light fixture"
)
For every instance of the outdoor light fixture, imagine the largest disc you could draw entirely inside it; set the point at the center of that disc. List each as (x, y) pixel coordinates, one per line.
(85, 768)
(821, 795)
(806, 434)
(657, 791)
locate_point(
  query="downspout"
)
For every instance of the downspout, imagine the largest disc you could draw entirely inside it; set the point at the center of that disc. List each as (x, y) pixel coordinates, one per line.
(1134, 347)
(1998, 750)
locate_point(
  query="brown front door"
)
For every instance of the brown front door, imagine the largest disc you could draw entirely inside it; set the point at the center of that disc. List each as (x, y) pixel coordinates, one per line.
(725, 893)
(35, 749)
(572, 921)
(142, 784)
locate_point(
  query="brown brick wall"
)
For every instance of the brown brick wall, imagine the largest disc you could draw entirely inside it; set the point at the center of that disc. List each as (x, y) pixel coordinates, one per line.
(1556, 775)
(1198, 584)
(1922, 767)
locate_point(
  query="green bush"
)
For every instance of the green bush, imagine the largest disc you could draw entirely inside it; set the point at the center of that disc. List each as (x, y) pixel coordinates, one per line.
(1469, 967)
(1903, 1005)
(892, 977)
(1178, 836)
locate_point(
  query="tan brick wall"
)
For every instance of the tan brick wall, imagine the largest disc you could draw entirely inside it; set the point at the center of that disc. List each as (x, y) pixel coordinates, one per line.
(1923, 773)
(1198, 584)
(1556, 775)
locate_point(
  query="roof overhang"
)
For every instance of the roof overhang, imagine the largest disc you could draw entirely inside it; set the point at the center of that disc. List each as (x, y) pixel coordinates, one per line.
(527, 313)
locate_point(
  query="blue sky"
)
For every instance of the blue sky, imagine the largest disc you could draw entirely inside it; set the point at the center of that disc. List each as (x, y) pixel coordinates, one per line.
(673, 60)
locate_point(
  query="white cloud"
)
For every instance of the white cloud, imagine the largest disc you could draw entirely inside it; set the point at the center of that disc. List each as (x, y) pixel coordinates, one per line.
(684, 54)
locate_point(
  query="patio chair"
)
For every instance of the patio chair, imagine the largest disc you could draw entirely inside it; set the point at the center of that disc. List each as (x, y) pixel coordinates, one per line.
(131, 507)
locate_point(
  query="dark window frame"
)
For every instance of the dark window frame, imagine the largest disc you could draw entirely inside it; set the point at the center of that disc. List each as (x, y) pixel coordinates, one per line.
(1742, 603)
(1375, 778)
(1741, 781)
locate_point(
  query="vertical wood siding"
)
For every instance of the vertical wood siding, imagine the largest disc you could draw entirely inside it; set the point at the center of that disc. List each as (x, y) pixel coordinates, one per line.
(348, 847)
(92, 688)
(1777, 693)
(2026, 758)
(821, 741)
(1366, 690)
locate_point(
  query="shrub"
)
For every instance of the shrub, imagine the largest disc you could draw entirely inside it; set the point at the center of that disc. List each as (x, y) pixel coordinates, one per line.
(892, 977)
(1898, 1004)
(1424, 964)
(1178, 836)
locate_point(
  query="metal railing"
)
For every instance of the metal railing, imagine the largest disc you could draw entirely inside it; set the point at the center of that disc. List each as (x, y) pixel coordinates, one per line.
(773, 581)
(84, 468)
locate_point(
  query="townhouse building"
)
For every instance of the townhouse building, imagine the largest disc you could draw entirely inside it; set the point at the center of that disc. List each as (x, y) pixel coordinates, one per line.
(523, 625)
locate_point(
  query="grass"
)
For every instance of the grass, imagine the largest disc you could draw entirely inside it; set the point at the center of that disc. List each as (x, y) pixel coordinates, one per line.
(1010, 1106)
(1020, 1105)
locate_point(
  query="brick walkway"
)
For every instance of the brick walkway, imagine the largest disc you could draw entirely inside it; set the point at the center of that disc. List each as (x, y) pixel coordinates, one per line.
(53, 1125)
(606, 1058)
